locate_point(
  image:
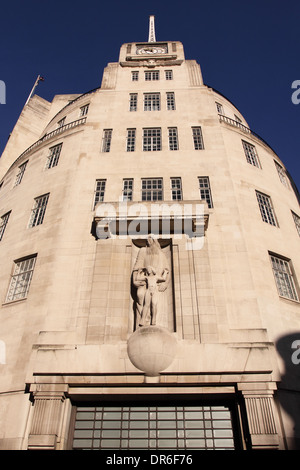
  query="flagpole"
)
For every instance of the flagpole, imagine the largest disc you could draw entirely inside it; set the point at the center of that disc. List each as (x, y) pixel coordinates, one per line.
(39, 78)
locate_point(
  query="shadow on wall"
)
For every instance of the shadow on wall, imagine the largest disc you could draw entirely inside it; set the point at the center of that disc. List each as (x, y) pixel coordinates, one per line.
(289, 388)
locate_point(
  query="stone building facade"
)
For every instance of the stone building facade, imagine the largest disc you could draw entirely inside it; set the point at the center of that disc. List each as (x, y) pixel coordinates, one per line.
(149, 263)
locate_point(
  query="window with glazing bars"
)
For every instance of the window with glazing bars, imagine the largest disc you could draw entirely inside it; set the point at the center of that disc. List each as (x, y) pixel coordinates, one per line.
(219, 107)
(84, 110)
(53, 157)
(251, 154)
(205, 191)
(176, 189)
(169, 74)
(38, 211)
(21, 279)
(152, 75)
(282, 174)
(106, 140)
(151, 101)
(99, 191)
(152, 189)
(283, 274)
(297, 222)
(61, 123)
(20, 173)
(151, 139)
(266, 208)
(133, 97)
(127, 189)
(152, 427)
(3, 224)
(134, 76)
(130, 143)
(197, 138)
(173, 138)
(170, 101)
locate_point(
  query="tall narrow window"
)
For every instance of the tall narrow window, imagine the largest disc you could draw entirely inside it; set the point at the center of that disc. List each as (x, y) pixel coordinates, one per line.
(169, 74)
(205, 191)
(133, 101)
(130, 143)
(197, 137)
(3, 224)
(99, 191)
(106, 140)
(151, 139)
(170, 101)
(61, 123)
(152, 189)
(284, 278)
(173, 138)
(53, 157)
(127, 189)
(297, 222)
(152, 75)
(20, 173)
(266, 208)
(134, 76)
(151, 101)
(282, 174)
(84, 110)
(21, 278)
(38, 211)
(251, 154)
(176, 189)
(219, 107)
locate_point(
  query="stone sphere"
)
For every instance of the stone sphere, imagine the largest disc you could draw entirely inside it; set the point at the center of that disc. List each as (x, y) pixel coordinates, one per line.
(151, 349)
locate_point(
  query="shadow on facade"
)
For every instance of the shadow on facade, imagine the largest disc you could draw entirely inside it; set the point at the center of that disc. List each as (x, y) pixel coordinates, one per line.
(289, 388)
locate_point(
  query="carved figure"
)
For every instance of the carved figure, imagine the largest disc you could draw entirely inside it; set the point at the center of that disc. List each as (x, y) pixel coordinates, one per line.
(151, 277)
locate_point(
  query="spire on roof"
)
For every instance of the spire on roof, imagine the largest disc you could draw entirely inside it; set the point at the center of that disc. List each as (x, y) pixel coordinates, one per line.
(151, 29)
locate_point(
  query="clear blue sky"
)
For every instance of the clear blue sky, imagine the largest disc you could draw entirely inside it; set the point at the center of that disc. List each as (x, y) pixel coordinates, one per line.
(248, 50)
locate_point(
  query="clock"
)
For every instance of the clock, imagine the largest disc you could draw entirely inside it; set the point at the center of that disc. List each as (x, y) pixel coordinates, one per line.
(151, 50)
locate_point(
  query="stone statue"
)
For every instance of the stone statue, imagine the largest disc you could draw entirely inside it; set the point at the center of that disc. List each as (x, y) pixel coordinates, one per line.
(151, 276)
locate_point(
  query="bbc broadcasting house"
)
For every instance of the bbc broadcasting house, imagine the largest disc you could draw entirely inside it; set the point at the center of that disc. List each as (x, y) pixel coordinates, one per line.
(150, 269)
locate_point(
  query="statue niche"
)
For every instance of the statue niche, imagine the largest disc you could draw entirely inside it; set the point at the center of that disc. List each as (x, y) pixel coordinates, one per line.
(150, 278)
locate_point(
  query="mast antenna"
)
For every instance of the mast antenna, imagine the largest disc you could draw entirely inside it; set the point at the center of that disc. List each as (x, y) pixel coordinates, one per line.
(151, 29)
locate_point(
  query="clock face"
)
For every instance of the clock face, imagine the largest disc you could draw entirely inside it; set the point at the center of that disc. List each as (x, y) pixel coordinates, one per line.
(152, 50)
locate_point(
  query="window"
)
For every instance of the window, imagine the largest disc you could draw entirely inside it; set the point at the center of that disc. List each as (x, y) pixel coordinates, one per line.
(284, 278)
(173, 138)
(152, 426)
(220, 108)
(197, 137)
(53, 157)
(169, 74)
(99, 191)
(20, 173)
(3, 224)
(297, 222)
(84, 110)
(152, 189)
(130, 145)
(151, 139)
(151, 101)
(21, 278)
(176, 189)
(134, 76)
(237, 119)
(282, 174)
(127, 189)
(152, 75)
(205, 192)
(133, 101)
(106, 140)
(266, 208)
(38, 211)
(61, 123)
(251, 154)
(170, 101)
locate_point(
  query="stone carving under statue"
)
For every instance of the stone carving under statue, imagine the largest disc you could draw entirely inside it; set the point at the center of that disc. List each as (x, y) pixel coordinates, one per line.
(151, 277)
